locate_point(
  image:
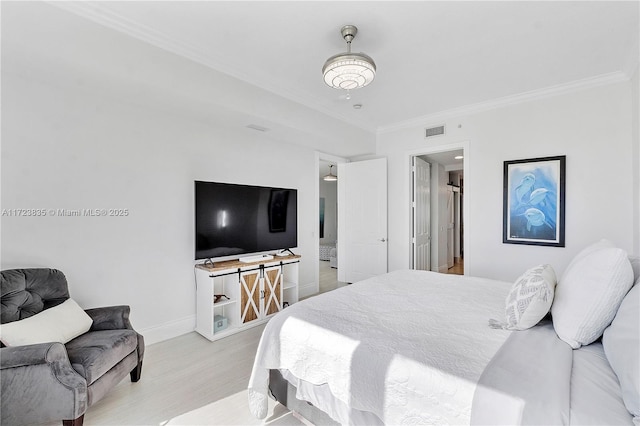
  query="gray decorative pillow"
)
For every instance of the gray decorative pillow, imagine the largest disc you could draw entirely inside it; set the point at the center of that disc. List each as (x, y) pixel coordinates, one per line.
(621, 343)
(530, 299)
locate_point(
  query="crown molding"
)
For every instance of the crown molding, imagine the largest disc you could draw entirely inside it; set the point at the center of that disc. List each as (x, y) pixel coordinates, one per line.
(631, 70)
(93, 11)
(574, 86)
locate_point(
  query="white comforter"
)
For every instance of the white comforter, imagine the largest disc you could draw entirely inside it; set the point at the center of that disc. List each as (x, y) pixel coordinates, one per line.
(408, 346)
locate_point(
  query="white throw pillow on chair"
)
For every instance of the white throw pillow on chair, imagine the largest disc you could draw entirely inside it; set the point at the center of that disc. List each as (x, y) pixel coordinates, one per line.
(61, 323)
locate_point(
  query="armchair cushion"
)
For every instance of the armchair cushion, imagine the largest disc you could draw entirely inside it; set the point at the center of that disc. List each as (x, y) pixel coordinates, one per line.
(96, 352)
(26, 292)
(58, 324)
(110, 318)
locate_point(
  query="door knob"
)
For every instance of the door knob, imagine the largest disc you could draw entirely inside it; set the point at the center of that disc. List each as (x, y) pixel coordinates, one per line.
(383, 240)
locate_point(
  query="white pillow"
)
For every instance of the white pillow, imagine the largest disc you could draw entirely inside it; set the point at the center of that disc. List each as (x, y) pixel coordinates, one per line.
(589, 293)
(604, 243)
(530, 298)
(61, 323)
(621, 342)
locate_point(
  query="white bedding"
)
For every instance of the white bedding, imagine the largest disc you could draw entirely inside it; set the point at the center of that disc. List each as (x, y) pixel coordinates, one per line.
(596, 397)
(378, 346)
(528, 381)
(538, 379)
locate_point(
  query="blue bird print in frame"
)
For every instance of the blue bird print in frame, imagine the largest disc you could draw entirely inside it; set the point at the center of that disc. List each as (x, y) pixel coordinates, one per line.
(533, 201)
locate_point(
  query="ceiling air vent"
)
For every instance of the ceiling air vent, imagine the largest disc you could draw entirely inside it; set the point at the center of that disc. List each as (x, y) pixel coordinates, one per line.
(434, 131)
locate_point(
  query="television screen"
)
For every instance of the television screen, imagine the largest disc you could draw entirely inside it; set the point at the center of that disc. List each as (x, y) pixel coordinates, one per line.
(241, 219)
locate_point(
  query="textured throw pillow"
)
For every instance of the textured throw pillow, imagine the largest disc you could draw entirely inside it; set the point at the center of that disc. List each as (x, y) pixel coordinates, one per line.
(621, 342)
(530, 297)
(529, 300)
(61, 323)
(589, 293)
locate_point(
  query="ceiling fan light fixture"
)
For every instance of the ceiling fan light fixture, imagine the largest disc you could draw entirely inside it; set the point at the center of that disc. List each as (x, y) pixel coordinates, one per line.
(330, 177)
(349, 70)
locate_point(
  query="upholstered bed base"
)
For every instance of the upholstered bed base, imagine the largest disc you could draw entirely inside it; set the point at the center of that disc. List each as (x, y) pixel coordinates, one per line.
(285, 393)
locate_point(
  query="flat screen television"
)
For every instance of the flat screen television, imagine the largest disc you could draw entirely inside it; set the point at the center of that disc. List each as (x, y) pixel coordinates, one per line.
(243, 219)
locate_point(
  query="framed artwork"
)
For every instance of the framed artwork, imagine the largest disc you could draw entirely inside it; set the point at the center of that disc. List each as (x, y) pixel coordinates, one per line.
(533, 203)
(278, 203)
(321, 217)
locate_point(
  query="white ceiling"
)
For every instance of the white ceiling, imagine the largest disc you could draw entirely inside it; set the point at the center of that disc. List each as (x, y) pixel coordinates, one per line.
(432, 56)
(447, 159)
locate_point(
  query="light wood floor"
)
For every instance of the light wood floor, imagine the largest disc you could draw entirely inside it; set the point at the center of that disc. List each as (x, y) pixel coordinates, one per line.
(328, 278)
(457, 268)
(189, 380)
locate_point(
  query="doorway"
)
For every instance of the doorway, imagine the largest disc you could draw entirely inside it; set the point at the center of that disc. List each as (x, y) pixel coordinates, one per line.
(437, 219)
(327, 235)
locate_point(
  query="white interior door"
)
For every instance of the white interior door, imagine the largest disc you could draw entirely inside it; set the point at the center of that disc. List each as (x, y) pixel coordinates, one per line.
(421, 214)
(362, 220)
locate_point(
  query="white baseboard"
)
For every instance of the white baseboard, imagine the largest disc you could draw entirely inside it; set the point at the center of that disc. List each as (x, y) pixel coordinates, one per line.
(168, 330)
(307, 290)
(185, 325)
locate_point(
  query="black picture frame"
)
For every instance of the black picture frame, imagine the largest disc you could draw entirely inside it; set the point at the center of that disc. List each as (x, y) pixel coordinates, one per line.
(534, 201)
(322, 217)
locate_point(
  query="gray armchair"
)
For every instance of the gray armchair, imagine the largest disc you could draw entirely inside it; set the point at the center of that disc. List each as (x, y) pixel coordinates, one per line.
(52, 381)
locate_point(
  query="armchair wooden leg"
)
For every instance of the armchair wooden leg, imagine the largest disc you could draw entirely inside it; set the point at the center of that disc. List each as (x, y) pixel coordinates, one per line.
(136, 372)
(74, 422)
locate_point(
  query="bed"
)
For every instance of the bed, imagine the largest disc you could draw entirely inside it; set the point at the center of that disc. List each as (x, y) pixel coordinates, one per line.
(416, 347)
(325, 251)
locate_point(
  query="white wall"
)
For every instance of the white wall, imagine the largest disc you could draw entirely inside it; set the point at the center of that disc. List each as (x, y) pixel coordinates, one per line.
(64, 148)
(591, 127)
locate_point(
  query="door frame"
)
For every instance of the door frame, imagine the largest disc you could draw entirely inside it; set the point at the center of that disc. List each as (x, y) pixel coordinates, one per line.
(316, 234)
(408, 168)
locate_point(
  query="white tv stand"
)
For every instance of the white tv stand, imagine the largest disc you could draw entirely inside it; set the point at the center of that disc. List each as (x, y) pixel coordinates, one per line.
(256, 291)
